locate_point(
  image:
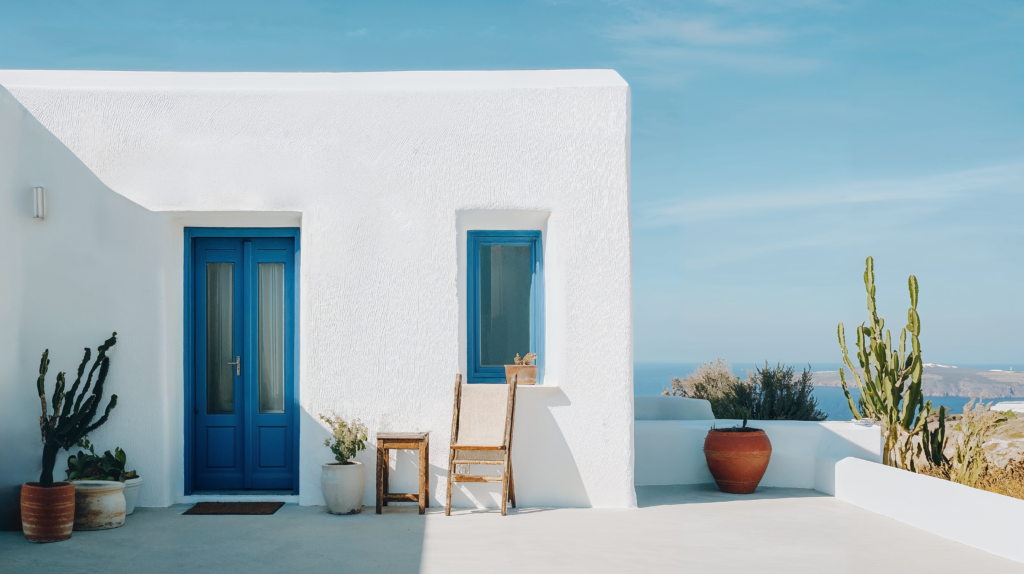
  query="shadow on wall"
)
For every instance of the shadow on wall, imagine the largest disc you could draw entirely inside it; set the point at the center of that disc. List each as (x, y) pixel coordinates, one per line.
(545, 471)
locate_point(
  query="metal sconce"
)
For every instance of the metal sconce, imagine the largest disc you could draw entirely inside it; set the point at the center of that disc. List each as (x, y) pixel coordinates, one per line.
(39, 202)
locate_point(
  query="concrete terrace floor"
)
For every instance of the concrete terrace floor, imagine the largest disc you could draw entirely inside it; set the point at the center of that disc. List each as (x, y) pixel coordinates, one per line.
(676, 529)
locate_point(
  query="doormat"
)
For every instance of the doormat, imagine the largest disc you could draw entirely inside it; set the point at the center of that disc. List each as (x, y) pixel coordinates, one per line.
(234, 508)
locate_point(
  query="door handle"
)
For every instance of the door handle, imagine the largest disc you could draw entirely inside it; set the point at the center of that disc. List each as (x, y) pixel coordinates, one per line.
(238, 366)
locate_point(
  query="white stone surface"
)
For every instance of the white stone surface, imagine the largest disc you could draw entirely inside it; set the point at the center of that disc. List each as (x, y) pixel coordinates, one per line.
(1015, 406)
(376, 169)
(976, 518)
(672, 451)
(677, 529)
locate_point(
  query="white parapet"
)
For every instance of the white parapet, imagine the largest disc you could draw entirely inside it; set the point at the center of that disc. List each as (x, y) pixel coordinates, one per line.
(1015, 406)
(803, 453)
(980, 519)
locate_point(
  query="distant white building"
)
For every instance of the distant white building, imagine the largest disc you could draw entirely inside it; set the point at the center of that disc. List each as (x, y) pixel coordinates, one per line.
(348, 242)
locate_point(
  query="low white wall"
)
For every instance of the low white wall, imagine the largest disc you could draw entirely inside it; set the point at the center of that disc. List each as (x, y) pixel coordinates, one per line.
(661, 408)
(803, 453)
(983, 520)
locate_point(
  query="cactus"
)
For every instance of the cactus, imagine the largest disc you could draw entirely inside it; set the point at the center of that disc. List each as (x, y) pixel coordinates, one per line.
(71, 417)
(882, 379)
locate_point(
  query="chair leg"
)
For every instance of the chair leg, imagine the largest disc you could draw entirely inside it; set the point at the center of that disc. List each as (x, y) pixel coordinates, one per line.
(511, 485)
(504, 487)
(451, 473)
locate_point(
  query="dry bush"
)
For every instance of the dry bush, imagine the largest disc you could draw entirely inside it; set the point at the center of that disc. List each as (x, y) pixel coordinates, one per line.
(1008, 481)
(969, 465)
(709, 381)
(769, 393)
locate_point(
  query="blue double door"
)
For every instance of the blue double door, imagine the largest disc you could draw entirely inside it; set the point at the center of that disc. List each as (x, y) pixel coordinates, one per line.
(244, 346)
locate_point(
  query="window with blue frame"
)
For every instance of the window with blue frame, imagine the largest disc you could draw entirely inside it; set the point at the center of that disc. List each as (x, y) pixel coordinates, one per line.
(505, 295)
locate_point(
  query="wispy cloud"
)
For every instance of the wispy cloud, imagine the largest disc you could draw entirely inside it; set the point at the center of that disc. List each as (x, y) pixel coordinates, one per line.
(682, 42)
(1007, 178)
(745, 61)
(695, 31)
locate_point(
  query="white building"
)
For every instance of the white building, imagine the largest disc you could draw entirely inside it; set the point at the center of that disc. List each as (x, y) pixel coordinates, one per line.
(333, 211)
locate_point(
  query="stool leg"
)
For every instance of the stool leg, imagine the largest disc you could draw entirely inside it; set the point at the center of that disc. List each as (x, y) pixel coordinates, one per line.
(426, 470)
(423, 478)
(382, 466)
(387, 473)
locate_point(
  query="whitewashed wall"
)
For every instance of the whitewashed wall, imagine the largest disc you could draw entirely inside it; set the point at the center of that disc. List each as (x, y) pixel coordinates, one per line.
(92, 266)
(375, 168)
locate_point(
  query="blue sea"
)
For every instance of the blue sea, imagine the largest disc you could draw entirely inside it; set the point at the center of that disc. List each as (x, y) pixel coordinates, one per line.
(652, 378)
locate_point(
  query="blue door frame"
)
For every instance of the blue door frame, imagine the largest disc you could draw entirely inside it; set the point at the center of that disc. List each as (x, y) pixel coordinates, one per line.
(255, 477)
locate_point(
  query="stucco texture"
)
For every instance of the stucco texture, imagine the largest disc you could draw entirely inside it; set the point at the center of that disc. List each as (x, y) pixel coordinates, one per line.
(375, 168)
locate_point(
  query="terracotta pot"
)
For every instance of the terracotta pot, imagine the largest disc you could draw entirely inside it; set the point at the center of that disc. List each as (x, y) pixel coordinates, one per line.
(737, 458)
(99, 504)
(527, 374)
(342, 486)
(47, 514)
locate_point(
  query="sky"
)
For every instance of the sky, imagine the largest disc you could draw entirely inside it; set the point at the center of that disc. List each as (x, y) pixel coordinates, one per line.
(775, 144)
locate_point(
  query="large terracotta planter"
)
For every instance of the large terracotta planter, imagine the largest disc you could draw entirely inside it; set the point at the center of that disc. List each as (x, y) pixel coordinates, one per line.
(47, 514)
(737, 458)
(527, 374)
(342, 486)
(99, 504)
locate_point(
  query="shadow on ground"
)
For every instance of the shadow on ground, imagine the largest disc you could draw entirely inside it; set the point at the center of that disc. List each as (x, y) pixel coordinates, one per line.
(648, 496)
(294, 539)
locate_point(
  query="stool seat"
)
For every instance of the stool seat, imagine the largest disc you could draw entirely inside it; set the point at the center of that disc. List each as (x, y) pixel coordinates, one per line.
(387, 441)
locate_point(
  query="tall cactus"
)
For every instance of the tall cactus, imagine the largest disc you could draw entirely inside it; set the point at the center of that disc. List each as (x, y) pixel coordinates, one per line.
(882, 380)
(71, 417)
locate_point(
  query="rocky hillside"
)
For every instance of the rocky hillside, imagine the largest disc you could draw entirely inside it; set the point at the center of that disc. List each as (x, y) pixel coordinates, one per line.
(944, 381)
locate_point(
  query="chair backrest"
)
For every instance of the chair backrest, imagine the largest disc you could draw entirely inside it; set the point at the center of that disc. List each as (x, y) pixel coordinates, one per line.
(483, 414)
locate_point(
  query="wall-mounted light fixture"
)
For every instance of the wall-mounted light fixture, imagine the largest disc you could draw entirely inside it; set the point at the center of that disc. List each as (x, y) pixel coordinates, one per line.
(39, 202)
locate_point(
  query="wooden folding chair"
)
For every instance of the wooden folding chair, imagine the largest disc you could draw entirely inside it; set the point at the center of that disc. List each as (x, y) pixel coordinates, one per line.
(482, 422)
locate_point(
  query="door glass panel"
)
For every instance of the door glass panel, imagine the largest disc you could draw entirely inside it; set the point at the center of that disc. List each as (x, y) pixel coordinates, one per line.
(505, 277)
(220, 376)
(271, 337)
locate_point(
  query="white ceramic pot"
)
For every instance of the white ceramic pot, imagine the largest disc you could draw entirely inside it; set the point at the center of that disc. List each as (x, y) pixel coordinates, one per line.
(99, 504)
(342, 485)
(131, 494)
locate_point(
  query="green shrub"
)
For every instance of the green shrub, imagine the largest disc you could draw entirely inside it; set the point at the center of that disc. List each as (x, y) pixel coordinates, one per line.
(769, 393)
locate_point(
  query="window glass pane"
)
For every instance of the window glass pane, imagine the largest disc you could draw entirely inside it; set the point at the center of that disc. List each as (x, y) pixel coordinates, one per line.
(271, 337)
(220, 376)
(505, 276)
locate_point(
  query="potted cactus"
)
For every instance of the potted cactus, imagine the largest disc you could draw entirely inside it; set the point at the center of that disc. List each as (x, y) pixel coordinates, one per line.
(342, 482)
(524, 369)
(48, 508)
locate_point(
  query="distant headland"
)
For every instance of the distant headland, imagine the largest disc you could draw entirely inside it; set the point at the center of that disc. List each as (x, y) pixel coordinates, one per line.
(949, 381)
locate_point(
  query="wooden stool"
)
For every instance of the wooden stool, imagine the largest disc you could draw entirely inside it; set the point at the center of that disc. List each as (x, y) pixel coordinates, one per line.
(402, 440)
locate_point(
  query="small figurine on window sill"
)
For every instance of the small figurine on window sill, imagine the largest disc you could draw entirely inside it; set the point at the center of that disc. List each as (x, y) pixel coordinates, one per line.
(524, 370)
(527, 360)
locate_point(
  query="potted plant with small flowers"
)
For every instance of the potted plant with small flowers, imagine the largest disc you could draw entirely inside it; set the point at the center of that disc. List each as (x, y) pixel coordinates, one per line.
(342, 482)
